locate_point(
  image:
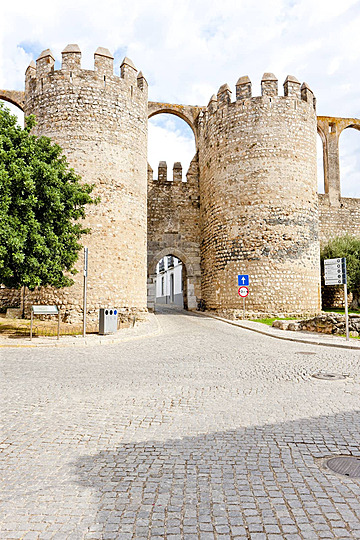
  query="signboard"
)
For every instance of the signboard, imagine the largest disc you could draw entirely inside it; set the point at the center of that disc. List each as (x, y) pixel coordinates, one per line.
(45, 310)
(243, 279)
(335, 274)
(335, 271)
(243, 292)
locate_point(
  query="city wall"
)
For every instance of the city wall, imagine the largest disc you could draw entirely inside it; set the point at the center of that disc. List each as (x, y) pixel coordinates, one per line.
(249, 203)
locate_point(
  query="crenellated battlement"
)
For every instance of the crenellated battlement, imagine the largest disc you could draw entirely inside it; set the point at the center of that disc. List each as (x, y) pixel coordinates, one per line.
(163, 175)
(269, 90)
(43, 73)
(163, 178)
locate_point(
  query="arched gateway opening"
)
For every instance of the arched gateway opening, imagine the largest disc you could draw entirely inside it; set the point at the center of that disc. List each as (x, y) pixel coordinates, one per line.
(173, 217)
(173, 283)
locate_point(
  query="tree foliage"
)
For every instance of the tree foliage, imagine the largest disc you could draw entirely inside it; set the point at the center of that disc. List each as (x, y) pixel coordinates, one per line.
(349, 247)
(41, 202)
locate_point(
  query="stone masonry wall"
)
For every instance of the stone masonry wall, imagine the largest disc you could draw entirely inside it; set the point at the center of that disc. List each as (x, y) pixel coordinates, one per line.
(337, 220)
(250, 203)
(9, 298)
(259, 204)
(173, 224)
(100, 121)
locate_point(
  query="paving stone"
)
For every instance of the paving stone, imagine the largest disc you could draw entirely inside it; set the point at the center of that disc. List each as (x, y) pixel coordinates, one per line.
(204, 431)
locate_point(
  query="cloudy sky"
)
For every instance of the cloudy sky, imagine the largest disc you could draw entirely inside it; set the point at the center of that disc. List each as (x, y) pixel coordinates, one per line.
(188, 49)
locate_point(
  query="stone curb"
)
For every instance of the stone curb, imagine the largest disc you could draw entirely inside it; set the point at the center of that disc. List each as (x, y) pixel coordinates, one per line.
(286, 337)
(91, 341)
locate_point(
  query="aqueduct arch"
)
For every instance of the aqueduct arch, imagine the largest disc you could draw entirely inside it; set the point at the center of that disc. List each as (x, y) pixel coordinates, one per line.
(330, 129)
(187, 113)
(15, 97)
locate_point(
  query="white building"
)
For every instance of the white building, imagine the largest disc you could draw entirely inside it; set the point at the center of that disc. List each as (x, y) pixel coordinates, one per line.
(169, 286)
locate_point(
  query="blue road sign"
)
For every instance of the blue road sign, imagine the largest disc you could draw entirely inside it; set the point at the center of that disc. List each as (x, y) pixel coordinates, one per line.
(243, 279)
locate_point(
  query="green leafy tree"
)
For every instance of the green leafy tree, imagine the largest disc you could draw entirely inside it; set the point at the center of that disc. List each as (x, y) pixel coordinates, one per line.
(349, 247)
(41, 202)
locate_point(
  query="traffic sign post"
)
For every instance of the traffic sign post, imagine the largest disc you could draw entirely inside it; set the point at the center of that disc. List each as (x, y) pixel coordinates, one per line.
(346, 302)
(86, 256)
(335, 274)
(243, 292)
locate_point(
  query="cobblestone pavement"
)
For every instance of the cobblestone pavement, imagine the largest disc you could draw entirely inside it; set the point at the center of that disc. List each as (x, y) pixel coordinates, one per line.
(206, 431)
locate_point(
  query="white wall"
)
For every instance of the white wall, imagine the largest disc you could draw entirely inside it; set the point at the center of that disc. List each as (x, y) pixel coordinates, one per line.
(163, 282)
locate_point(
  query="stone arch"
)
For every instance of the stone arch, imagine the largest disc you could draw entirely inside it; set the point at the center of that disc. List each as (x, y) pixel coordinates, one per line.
(14, 97)
(330, 128)
(186, 112)
(190, 277)
(162, 253)
(349, 123)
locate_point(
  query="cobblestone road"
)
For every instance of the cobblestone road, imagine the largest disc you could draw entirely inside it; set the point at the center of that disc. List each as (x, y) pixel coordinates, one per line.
(206, 431)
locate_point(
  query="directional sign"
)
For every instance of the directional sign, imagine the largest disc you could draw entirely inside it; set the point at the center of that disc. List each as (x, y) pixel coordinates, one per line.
(334, 282)
(335, 271)
(333, 261)
(243, 279)
(243, 292)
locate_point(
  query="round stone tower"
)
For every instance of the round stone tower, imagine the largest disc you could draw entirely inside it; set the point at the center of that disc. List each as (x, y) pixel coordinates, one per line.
(258, 196)
(100, 121)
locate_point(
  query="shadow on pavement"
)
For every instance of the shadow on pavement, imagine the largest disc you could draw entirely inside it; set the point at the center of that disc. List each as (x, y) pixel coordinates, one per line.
(242, 483)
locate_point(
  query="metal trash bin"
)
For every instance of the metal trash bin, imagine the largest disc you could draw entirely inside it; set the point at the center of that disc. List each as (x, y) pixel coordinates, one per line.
(107, 321)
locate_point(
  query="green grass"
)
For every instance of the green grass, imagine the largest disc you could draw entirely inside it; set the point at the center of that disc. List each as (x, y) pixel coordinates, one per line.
(270, 321)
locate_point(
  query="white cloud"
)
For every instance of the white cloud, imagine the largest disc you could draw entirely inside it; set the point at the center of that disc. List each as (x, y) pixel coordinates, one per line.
(170, 140)
(188, 49)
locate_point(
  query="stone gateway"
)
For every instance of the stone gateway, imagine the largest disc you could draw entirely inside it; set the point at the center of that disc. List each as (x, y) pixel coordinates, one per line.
(249, 205)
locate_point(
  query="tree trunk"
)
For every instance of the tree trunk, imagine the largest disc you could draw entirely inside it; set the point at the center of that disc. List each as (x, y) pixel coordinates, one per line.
(22, 301)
